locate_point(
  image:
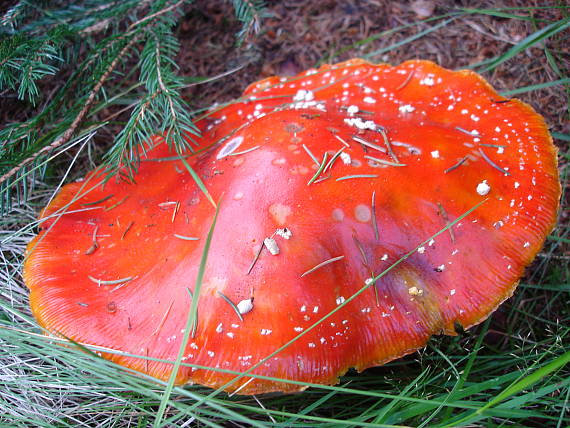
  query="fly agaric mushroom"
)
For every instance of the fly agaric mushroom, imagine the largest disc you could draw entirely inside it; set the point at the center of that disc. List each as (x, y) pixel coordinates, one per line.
(329, 178)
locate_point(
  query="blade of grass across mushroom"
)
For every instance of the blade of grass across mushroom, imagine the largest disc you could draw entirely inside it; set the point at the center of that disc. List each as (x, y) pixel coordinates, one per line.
(367, 285)
(198, 181)
(192, 319)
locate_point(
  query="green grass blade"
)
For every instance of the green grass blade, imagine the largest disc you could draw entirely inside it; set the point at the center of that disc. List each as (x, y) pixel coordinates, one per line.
(198, 181)
(409, 39)
(527, 42)
(517, 386)
(189, 322)
(530, 88)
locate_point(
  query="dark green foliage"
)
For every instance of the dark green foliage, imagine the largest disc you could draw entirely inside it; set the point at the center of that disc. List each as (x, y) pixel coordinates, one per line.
(249, 13)
(69, 59)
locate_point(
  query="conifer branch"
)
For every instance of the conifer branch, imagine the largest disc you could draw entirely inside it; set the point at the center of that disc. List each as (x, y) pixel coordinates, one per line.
(66, 136)
(36, 37)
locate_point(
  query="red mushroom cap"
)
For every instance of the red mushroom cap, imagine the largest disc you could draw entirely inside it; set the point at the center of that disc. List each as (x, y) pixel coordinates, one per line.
(338, 173)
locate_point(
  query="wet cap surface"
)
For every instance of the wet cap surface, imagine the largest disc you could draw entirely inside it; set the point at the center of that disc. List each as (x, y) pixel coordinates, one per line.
(328, 178)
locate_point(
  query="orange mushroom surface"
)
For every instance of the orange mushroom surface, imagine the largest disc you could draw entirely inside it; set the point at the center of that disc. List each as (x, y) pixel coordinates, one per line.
(326, 180)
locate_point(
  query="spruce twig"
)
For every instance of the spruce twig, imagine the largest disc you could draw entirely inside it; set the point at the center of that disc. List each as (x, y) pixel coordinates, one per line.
(73, 127)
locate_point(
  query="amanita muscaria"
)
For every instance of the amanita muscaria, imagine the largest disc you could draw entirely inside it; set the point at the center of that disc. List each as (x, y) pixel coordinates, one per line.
(399, 153)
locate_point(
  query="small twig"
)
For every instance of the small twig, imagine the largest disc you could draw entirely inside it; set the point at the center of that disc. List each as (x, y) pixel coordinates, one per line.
(457, 165)
(493, 164)
(447, 222)
(388, 145)
(127, 229)
(157, 329)
(155, 15)
(255, 258)
(232, 304)
(320, 265)
(320, 170)
(95, 244)
(374, 222)
(410, 75)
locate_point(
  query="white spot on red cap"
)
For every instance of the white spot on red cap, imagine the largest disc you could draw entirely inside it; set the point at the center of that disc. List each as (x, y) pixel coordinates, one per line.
(284, 233)
(272, 246)
(338, 214)
(245, 306)
(415, 291)
(362, 213)
(280, 212)
(230, 147)
(352, 109)
(483, 188)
